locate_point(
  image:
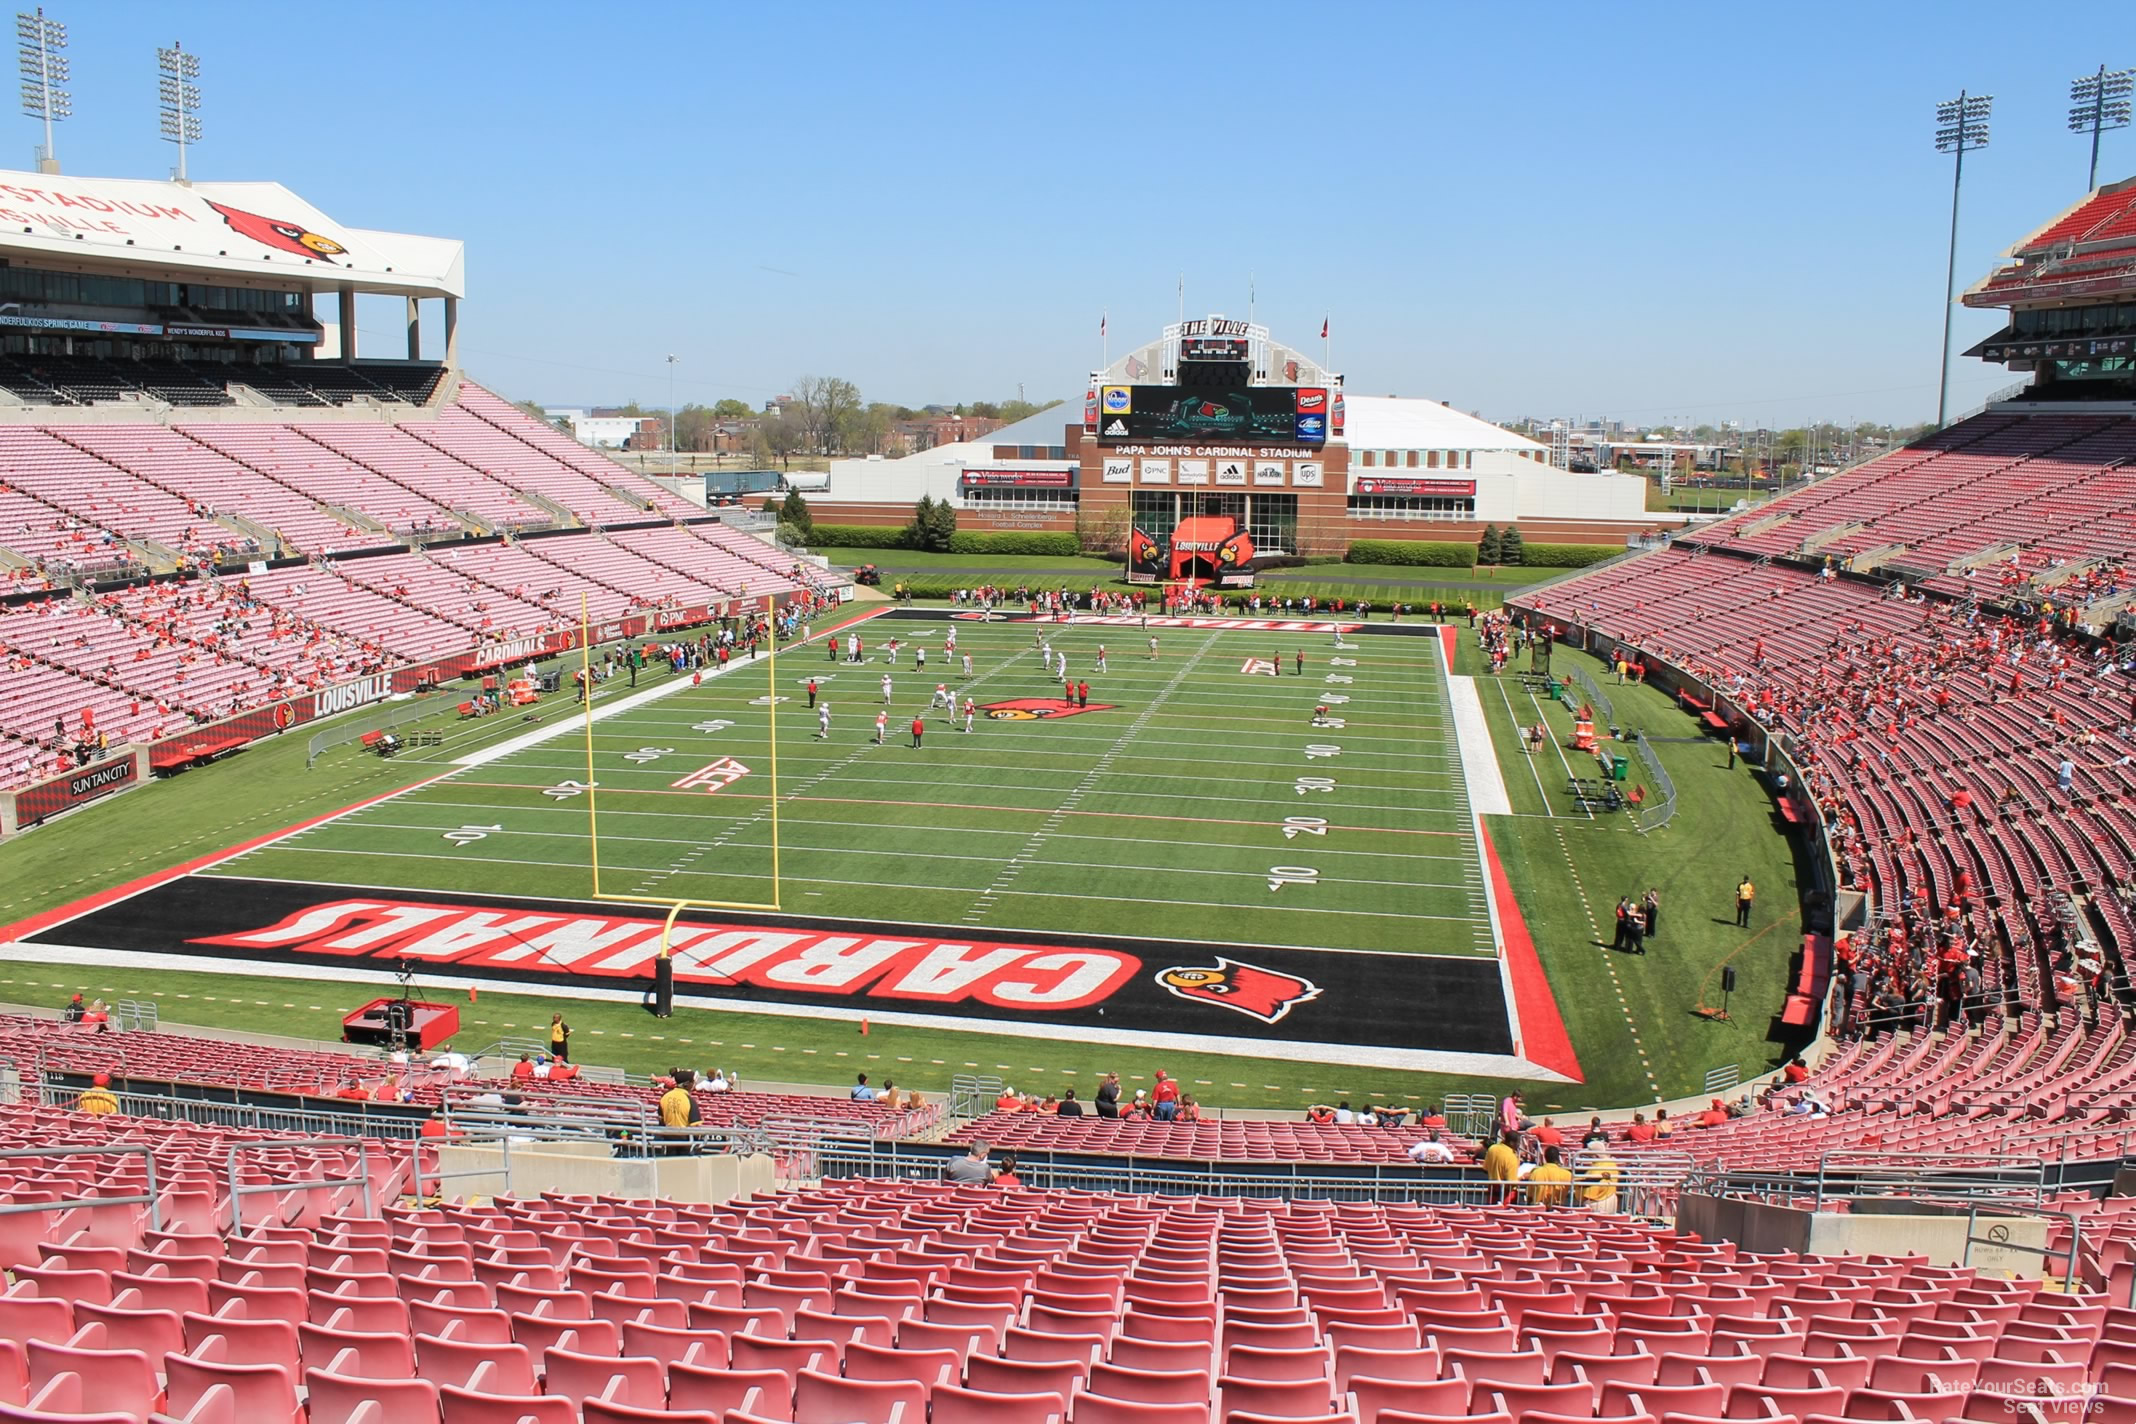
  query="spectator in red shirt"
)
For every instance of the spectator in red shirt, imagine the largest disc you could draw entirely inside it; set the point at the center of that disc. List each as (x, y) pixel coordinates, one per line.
(1548, 1136)
(1164, 1098)
(1640, 1130)
(523, 1070)
(1795, 1071)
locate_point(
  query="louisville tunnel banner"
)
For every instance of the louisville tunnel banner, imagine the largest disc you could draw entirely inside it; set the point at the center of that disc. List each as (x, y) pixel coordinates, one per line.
(1416, 1011)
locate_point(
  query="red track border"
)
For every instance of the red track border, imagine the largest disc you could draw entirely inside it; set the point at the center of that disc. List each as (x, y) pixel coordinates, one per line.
(1544, 1040)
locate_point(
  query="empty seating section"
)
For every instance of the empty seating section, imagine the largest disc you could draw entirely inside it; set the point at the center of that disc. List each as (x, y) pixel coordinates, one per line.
(2096, 238)
(478, 443)
(60, 474)
(286, 456)
(1227, 1141)
(143, 1059)
(542, 436)
(429, 472)
(872, 1303)
(2017, 495)
(73, 495)
(448, 586)
(169, 460)
(330, 598)
(88, 1255)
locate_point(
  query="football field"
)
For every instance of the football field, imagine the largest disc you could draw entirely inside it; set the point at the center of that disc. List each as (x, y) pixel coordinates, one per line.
(1200, 851)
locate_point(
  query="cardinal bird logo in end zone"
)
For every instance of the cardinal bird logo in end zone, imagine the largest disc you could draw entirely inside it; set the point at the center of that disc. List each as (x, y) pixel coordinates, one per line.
(278, 234)
(1039, 709)
(1264, 994)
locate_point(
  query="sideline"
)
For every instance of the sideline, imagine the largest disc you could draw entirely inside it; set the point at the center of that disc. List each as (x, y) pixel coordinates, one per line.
(1479, 758)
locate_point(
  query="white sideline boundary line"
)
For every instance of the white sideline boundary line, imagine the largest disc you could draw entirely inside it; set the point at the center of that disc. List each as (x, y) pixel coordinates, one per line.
(1479, 759)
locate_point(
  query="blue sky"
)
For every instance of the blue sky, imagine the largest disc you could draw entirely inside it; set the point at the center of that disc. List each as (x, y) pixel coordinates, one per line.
(1647, 210)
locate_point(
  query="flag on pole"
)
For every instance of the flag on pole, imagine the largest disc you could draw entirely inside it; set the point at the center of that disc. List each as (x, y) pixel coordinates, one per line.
(1101, 324)
(1323, 328)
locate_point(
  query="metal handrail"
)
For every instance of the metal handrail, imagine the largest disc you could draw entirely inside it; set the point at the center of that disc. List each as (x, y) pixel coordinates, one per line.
(238, 1192)
(354, 1121)
(151, 1198)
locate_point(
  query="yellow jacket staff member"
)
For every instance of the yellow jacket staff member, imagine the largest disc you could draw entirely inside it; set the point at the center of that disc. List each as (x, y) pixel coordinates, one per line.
(678, 1105)
(99, 1101)
(1550, 1184)
(1598, 1184)
(1502, 1165)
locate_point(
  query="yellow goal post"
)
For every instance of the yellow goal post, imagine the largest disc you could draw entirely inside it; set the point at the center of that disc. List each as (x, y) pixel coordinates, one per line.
(677, 904)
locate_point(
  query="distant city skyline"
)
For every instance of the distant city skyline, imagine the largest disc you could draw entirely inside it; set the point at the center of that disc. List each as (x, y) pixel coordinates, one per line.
(1656, 210)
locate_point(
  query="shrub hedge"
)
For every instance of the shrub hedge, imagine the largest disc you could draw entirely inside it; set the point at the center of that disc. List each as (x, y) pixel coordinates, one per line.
(1011, 541)
(860, 536)
(1413, 553)
(1566, 556)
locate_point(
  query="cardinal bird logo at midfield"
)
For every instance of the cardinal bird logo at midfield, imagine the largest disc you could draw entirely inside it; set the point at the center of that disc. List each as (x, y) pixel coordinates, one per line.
(1039, 709)
(1260, 993)
(278, 234)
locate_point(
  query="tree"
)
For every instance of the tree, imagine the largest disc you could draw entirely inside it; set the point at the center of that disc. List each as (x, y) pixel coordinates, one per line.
(781, 436)
(943, 528)
(795, 511)
(826, 408)
(870, 431)
(1509, 545)
(728, 408)
(791, 536)
(922, 517)
(695, 426)
(1491, 547)
(933, 524)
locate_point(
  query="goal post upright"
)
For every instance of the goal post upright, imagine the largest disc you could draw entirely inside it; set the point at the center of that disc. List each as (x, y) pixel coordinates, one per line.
(674, 904)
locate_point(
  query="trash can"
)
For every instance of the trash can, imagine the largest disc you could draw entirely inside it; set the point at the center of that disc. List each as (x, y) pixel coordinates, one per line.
(1620, 766)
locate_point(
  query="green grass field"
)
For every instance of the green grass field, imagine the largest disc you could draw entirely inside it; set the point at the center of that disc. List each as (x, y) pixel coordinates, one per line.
(1155, 819)
(929, 836)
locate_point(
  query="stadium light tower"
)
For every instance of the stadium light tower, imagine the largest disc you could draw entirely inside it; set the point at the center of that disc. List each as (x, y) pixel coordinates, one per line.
(44, 70)
(1961, 123)
(2099, 102)
(180, 98)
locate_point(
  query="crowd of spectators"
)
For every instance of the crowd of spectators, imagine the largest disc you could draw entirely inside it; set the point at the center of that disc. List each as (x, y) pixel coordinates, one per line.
(1163, 1102)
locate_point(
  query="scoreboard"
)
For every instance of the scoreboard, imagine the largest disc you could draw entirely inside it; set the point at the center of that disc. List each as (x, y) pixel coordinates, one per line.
(1291, 414)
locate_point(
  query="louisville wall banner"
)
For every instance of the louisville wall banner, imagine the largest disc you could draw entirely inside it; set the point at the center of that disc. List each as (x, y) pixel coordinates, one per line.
(1382, 1004)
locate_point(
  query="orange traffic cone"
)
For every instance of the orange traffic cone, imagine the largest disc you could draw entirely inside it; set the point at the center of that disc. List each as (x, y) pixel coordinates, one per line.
(863, 1028)
(472, 995)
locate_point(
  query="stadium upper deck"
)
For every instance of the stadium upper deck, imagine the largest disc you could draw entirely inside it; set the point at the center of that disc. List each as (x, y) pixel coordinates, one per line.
(210, 509)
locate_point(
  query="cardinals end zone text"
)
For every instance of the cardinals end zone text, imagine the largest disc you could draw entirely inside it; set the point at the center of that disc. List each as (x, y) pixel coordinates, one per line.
(620, 947)
(1385, 1007)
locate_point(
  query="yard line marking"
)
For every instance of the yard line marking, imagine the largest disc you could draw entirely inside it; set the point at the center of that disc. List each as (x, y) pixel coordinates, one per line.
(981, 907)
(1526, 755)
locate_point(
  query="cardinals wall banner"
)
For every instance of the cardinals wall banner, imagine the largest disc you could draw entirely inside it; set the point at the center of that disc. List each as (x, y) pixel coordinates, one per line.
(1379, 1005)
(1143, 552)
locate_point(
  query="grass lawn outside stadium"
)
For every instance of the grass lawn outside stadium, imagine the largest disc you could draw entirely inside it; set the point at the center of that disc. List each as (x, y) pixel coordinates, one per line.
(1157, 823)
